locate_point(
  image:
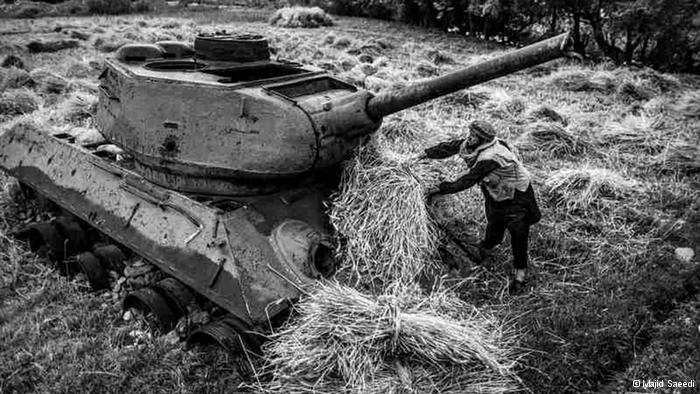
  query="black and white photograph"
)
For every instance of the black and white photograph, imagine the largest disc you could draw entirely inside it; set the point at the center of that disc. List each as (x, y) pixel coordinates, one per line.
(350, 196)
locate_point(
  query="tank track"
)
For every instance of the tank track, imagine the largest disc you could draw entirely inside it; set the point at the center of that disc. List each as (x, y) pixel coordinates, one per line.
(162, 302)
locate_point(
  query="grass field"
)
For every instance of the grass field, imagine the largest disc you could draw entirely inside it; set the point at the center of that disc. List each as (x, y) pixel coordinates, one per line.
(614, 152)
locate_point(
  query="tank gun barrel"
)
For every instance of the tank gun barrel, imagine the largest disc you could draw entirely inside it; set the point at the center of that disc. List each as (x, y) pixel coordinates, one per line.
(393, 101)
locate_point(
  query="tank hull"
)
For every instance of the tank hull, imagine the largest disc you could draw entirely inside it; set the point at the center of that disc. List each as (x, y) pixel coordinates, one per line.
(246, 257)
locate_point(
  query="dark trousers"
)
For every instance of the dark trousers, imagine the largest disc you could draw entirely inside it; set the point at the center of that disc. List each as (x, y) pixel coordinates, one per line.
(519, 230)
(516, 216)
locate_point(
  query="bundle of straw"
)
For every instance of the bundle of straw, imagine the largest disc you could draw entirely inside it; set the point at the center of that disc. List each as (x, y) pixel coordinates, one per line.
(682, 156)
(636, 133)
(301, 17)
(581, 187)
(381, 214)
(549, 137)
(347, 342)
(689, 104)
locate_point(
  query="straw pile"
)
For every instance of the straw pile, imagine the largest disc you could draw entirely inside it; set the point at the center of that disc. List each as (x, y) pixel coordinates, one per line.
(683, 157)
(347, 342)
(381, 214)
(549, 137)
(300, 17)
(689, 104)
(636, 133)
(584, 186)
(18, 102)
(547, 113)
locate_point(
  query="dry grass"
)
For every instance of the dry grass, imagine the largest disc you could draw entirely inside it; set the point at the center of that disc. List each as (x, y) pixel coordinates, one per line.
(18, 102)
(551, 138)
(637, 133)
(348, 342)
(689, 104)
(301, 17)
(377, 195)
(586, 187)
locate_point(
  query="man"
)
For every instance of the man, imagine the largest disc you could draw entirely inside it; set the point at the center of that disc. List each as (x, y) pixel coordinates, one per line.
(509, 197)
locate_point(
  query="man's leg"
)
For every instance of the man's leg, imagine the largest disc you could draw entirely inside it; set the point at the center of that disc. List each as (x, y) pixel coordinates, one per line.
(519, 232)
(495, 230)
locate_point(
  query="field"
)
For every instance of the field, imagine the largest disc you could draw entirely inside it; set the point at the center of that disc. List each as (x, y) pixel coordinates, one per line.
(614, 153)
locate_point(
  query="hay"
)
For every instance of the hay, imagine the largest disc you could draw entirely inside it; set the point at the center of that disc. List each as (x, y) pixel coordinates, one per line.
(13, 78)
(502, 105)
(635, 90)
(585, 186)
(689, 104)
(679, 157)
(426, 69)
(48, 82)
(51, 46)
(18, 102)
(573, 80)
(544, 112)
(346, 342)
(473, 98)
(13, 61)
(549, 137)
(300, 17)
(438, 57)
(77, 108)
(377, 195)
(635, 133)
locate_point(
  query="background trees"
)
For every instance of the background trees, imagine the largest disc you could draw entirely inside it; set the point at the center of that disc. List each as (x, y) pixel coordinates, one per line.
(664, 34)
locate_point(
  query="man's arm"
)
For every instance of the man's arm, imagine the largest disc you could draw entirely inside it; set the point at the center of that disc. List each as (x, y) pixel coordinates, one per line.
(477, 173)
(444, 150)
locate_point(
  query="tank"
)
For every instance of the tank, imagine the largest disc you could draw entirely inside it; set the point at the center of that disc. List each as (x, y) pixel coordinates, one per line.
(216, 166)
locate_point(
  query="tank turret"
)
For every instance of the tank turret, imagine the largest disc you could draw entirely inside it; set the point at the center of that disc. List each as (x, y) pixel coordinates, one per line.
(225, 119)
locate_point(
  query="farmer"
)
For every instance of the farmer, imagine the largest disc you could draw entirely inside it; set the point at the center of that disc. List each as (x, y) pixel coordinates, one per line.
(508, 194)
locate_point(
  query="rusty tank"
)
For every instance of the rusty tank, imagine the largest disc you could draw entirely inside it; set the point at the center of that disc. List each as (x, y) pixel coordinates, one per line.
(216, 167)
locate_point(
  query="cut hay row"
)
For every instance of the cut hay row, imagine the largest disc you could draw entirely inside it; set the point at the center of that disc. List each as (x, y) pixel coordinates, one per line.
(381, 214)
(682, 157)
(348, 342)
(586, 186)
(300, 17)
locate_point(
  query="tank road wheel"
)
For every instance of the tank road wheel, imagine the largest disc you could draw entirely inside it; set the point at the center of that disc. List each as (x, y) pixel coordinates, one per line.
(45, 240)
(96, 274)
(154, 308)
(71, 230)
(178, 295)
(111, 257)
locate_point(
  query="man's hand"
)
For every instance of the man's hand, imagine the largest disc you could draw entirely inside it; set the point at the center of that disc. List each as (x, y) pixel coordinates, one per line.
(431, 192)
(420, 157)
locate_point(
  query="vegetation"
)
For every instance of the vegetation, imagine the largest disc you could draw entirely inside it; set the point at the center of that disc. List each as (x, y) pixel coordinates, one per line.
(614, 152)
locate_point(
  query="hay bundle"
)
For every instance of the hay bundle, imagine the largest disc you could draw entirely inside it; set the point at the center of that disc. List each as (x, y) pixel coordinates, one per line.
(682, 157)
(502, 106)
(13, 61)
(51, 46)
(573, 80)
(604, 81)
(48, 82)
(381, 214)
(636, 90)
(300, 17)
(13, 78)
(635, 133)
(544, 112)
(18, 102)
(347, 342)
(549, 137)
(689, 104)
(76, 108)
(474, 98)
(579, 188)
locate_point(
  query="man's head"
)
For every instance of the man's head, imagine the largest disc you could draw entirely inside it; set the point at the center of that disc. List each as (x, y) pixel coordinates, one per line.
(480, 132)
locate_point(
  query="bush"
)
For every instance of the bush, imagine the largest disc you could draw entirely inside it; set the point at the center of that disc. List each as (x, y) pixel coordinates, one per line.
(300, 17)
